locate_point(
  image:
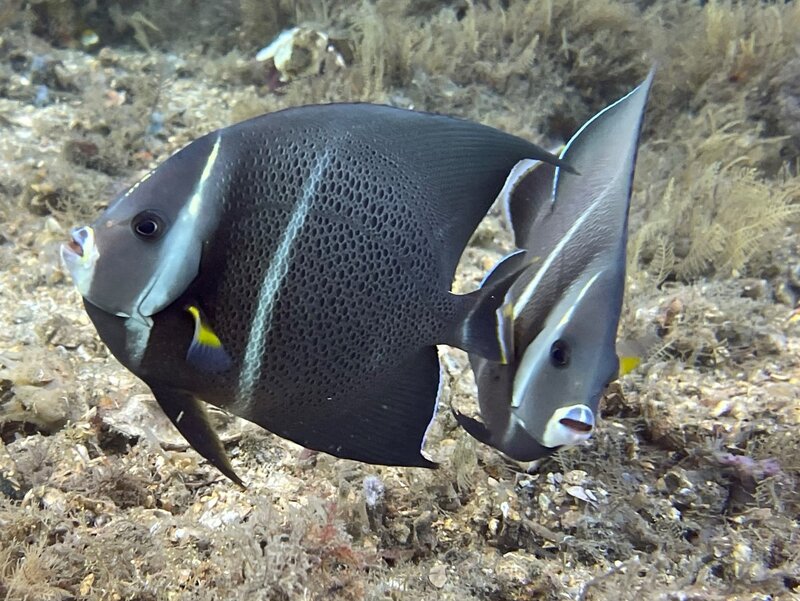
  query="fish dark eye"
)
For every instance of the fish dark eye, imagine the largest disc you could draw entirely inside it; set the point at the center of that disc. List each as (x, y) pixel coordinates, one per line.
(148, 225)
(559, 354)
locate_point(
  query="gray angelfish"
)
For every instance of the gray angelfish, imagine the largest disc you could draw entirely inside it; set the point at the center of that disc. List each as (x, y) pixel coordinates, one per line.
(563, 311)
(295, 269)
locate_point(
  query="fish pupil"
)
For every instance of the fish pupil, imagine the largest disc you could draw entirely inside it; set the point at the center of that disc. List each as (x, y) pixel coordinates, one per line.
(559, 354)
(148, 226)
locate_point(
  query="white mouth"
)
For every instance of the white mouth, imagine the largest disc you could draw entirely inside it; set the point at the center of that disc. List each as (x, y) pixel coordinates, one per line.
(569, 426)
(80, 256)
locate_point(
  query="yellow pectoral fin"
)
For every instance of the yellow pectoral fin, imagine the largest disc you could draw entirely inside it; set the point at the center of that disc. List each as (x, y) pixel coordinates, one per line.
(206, 352)
(628, 363)
(203, 334)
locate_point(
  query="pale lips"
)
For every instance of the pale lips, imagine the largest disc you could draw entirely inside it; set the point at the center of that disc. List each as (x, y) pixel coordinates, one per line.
(74, 245)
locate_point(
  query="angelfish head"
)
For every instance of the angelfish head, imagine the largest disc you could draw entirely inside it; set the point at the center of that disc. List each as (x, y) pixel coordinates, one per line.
(566, 306)
(563, 372)
(113, 261)
(145, 249)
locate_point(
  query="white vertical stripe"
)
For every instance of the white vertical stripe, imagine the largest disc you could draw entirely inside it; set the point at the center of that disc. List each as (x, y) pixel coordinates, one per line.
(137, 335)
(180, 250)
(271, 284)
(170, 274)
(533, 356)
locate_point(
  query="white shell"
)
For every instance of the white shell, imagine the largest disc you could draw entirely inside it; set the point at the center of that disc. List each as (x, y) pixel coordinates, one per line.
(299, 52)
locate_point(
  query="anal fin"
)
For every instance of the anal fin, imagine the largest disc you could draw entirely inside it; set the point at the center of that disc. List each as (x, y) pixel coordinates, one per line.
(385, 422)
(190, 417)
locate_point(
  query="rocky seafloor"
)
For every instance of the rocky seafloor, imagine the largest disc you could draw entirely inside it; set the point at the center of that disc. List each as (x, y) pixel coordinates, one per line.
(688, 490)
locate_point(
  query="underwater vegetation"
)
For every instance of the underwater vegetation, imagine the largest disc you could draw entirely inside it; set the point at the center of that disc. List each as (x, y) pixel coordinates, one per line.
(726, 87)
(688, 489)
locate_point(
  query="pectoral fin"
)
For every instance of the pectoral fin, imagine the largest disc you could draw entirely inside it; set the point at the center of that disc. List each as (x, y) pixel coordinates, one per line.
(206, 352)
(190, 417)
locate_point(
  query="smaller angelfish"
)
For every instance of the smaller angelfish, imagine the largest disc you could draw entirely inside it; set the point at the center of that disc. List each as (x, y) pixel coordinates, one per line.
(563, 311)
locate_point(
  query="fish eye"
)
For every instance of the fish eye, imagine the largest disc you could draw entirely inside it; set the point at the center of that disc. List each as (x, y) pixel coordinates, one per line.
(559, 354)
(148, 225)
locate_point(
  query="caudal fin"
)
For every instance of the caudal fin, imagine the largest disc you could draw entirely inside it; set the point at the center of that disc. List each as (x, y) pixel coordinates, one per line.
(484, 324)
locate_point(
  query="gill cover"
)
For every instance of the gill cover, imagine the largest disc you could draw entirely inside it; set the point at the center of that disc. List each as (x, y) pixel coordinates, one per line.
(149, 241)
(565, 305)
(145, 249)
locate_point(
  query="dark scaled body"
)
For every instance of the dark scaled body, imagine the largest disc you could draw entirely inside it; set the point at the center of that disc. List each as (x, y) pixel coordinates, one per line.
(331, 238)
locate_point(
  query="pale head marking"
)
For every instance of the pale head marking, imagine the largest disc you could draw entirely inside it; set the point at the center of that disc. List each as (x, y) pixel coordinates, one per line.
(526, 295)
(139, 183)
(535, 351)
(181, 238)
(197, 198)
(581, 294)
(158, 293)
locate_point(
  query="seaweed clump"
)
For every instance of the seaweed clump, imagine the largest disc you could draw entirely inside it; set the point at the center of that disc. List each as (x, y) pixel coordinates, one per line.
(723, 178)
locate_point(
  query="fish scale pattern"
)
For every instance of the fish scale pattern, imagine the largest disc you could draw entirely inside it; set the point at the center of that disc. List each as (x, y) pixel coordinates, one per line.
(361, 248)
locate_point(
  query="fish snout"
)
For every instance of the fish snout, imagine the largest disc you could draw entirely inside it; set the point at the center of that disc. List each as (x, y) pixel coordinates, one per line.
(569, 426)
(79, 256)
(79, 235)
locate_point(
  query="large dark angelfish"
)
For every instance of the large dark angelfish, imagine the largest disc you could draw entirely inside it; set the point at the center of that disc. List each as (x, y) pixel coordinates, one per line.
(295, 270)
(561, 314)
